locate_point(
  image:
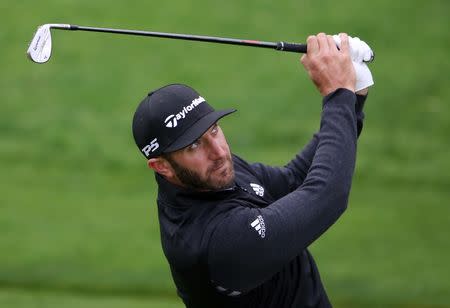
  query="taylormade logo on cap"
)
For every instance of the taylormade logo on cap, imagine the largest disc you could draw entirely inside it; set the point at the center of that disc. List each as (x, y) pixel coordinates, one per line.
(172, 120)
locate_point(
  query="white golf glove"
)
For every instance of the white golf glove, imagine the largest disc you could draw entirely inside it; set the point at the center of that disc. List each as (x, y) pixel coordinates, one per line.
(363, 76)
(360, 53)
(359, 50)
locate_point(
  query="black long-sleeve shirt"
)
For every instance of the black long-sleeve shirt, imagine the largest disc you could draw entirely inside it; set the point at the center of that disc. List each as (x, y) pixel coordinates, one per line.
(247, 246)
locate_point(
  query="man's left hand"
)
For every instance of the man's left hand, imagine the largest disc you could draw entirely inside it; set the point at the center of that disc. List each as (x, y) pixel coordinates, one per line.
(359, 50)
(361, 53)
(364, 78)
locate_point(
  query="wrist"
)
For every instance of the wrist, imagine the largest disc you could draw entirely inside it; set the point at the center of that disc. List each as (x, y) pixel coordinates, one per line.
(328, 91)
(363, 92)
(341, 95)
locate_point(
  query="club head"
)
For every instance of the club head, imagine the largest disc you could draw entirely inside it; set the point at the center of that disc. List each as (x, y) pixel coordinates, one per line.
(40, 48)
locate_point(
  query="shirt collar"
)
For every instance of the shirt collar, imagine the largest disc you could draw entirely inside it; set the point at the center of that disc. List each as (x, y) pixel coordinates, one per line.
(181, 196)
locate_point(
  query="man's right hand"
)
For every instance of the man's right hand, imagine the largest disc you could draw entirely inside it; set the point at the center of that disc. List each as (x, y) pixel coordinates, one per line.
(328, 67)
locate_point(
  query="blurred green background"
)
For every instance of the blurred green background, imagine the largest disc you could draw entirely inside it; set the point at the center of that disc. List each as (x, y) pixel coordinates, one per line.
(78, 225)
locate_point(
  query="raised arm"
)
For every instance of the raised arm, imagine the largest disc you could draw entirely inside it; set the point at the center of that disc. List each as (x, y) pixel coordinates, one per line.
(240, 258)
(283, 180)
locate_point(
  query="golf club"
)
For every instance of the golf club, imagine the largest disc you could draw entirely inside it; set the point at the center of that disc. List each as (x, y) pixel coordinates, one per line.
(40, 48)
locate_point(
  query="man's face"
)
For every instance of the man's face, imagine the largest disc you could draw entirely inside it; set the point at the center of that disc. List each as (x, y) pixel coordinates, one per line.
(206, 164)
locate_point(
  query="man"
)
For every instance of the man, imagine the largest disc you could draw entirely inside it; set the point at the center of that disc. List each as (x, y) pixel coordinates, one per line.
(236, 234)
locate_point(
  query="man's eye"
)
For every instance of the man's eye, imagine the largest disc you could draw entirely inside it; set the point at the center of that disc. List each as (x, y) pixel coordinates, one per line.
(215, 129)
(194, 145)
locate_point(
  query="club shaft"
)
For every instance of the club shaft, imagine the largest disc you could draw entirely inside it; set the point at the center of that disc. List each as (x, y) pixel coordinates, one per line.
(281, 46)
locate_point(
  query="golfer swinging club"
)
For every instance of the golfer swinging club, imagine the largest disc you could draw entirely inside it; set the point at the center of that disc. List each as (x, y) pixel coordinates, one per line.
(236, 233)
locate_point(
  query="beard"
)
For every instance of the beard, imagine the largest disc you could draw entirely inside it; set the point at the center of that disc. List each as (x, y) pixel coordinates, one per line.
(211, 181)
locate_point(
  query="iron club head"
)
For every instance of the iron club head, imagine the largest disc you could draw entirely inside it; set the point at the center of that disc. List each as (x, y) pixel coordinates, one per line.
(40, 48)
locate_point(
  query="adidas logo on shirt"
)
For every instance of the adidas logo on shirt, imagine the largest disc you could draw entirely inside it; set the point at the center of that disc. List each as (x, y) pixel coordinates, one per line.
(259, 190)
(259, 225)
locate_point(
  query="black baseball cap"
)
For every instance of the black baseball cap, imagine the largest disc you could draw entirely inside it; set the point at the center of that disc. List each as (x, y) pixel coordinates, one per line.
(171, 118)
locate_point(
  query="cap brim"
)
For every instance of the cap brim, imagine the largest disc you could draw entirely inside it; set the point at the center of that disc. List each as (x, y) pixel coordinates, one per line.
(197, 130)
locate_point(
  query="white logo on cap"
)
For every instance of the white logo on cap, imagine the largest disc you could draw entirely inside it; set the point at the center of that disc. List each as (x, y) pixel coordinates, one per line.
(173, 119)
(149, 148)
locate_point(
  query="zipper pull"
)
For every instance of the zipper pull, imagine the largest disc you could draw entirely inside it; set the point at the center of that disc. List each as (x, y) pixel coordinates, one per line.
(243, 188)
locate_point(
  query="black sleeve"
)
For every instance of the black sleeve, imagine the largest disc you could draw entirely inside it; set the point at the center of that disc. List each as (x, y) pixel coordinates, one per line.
(251, 244)
(280, 181)
(283, 180)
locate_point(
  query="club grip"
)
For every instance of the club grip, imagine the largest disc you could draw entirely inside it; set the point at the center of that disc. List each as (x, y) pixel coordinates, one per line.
(291, 47)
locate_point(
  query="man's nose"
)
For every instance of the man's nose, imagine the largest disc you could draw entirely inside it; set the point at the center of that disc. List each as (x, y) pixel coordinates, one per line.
(216, 149)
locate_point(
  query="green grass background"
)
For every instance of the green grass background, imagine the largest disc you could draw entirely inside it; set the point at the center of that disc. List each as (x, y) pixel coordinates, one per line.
(78, 225)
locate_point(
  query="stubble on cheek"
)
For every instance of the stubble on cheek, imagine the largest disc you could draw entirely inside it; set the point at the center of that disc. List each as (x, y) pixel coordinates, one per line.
(219, 178)
(213, 179)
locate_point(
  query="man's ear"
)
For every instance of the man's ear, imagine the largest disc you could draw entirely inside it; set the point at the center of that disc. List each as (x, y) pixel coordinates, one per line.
(161, 166)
